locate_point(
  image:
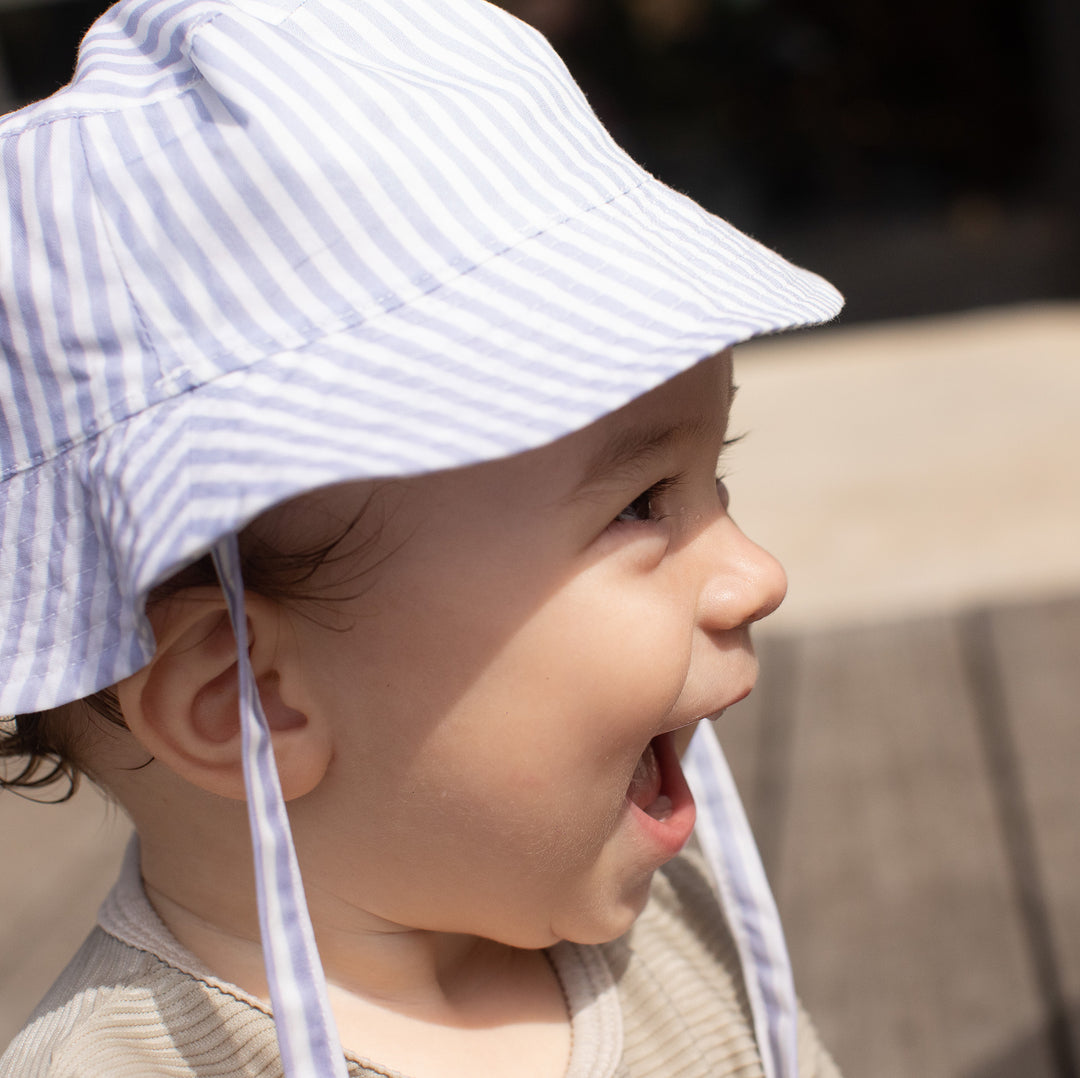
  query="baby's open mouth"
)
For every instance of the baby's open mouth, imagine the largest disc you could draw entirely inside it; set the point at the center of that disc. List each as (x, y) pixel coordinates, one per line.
(647, 783)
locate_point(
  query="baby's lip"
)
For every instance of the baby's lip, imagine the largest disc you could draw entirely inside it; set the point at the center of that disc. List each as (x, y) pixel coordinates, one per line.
(742, 694)
(659, 797)
(710, 716)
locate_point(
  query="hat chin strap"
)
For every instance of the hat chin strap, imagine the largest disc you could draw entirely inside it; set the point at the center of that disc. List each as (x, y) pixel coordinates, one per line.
(307, 1034)
(729, 847)
(306, 1031)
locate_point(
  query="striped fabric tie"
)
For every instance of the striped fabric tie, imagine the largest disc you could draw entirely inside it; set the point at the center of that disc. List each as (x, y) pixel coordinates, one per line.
(729, 847)
(307, 1034)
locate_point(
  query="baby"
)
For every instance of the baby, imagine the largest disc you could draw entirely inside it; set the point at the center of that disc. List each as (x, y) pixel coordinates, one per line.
(362, 407)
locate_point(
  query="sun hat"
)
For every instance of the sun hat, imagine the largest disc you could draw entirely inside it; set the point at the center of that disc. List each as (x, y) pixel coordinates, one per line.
(256, 248)
(262, 246)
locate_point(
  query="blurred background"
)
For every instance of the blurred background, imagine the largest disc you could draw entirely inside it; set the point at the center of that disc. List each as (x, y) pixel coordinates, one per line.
(945, 132)
(924, 155)
(910, 757)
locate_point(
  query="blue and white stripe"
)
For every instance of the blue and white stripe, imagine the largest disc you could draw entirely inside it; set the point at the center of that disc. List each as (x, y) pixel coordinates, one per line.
(728, 844)
(261, 246)
(306, 1030)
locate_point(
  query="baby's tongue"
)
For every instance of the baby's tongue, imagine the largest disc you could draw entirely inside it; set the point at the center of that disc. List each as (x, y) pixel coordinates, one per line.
(644, 788)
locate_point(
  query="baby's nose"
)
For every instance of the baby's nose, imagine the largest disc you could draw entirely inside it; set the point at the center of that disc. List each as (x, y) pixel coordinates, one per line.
(744, 582)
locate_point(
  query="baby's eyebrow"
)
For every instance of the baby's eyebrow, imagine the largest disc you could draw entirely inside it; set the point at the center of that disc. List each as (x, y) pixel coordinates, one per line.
(632, 448)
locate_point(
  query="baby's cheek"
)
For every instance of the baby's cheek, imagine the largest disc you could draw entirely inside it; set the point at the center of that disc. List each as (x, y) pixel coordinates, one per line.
(647, 647)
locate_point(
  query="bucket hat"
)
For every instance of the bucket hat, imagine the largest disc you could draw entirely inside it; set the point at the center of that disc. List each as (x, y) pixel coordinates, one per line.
(262, 246)
(259, 248)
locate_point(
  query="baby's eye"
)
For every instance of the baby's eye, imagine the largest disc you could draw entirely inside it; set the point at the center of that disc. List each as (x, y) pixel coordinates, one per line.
(645, 506)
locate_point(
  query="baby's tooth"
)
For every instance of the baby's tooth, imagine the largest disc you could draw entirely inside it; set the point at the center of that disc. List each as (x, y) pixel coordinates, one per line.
(660, 809)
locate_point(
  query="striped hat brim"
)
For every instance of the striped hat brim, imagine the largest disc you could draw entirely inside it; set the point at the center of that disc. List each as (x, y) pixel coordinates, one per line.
(526, 347)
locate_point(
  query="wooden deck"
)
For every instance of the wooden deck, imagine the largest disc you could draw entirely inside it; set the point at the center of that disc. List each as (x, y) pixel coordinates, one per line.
(915, 789)
(915, 792)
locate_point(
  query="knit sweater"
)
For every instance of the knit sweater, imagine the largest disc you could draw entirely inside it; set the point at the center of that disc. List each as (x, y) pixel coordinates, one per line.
(664, 1001)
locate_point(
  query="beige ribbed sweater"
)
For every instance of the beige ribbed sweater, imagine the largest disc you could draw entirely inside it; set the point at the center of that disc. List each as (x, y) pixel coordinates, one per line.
(664, 1001)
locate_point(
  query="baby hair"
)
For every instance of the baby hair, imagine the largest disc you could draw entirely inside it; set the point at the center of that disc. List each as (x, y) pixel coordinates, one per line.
(43, 749)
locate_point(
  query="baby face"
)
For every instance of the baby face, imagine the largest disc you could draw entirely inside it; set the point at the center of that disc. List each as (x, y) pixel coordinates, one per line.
(505, 685)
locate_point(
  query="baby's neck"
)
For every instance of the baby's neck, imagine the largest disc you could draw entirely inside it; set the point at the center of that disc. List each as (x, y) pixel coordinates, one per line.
(506, 1016)
(425, 1004)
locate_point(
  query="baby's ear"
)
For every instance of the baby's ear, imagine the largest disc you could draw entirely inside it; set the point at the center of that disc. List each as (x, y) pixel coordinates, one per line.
(184, 706)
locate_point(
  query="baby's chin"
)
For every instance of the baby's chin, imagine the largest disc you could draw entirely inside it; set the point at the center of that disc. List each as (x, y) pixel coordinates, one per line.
(608, 920)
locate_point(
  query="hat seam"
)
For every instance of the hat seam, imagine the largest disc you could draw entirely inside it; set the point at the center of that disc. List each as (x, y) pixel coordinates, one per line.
(174, 376)
(176, 88)
(107, 587)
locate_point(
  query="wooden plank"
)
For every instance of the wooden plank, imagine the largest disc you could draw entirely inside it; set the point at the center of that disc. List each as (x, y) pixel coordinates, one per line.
(1037, 651)
(892, 876)
(59, 862)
